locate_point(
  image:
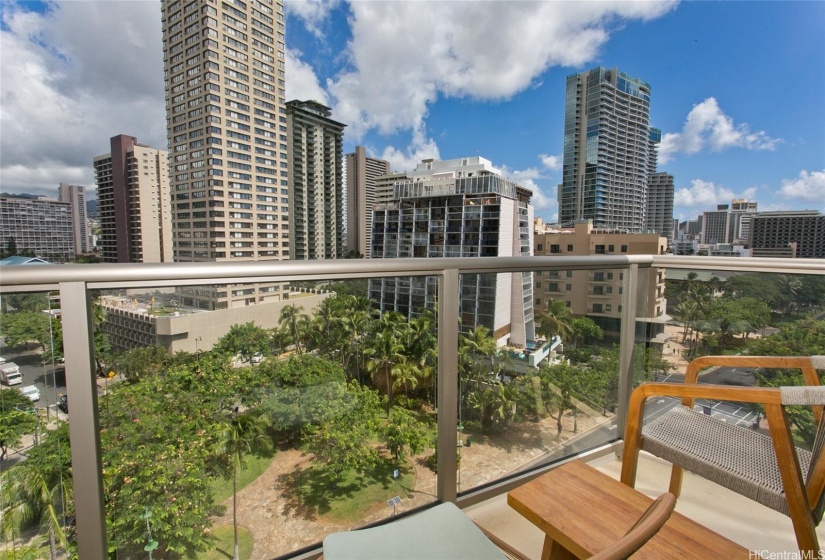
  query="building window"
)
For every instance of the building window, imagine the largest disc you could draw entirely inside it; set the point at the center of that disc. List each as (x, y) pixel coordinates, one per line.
(555, 249)
(608, 307)
(553, 287)
(599, 249)
(568, 287)
(538, 302)
(611, 248)
(569, 248)
(539, 247)
(538, 285)
(570, 274)
(597, 308)
(624, 248)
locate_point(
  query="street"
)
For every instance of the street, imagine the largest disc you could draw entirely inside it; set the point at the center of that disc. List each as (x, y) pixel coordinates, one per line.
(50, 381)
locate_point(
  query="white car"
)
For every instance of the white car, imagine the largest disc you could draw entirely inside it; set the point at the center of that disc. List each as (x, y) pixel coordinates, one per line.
(32, 392)
(257, 358)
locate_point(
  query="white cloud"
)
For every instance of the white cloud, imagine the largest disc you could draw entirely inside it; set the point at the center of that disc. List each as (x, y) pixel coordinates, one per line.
(707, 195)
(313, 13)
(404, 55)
(302, 83)
(552, 163)
(527, 178)
(707, 126)
(70, 79)
(808, 186)
(420, 148)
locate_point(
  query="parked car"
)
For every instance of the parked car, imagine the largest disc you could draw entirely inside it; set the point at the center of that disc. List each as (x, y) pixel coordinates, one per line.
(63, 403)
(32, 392)
(257, 358)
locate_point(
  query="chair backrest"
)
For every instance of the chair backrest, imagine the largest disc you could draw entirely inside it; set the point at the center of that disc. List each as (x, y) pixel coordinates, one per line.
(642, 531)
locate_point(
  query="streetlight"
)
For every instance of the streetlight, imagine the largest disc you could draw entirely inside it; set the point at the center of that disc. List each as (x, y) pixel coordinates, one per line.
(197, 350)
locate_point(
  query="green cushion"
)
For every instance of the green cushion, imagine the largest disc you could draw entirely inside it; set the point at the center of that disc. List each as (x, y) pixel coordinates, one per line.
(443, 532)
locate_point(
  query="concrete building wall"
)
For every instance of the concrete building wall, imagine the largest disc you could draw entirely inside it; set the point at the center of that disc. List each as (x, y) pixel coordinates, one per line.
(799, 234)
(129, 326)
(598, 293)
(39, 225)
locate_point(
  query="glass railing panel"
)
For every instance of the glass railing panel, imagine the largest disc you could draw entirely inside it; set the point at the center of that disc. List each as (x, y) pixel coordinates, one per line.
(742, 313)
(36, 504)
(292, 418)
(539, 373)
(724, 312)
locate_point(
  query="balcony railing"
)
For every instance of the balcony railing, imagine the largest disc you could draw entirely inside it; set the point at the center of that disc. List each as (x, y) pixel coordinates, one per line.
(76, 285)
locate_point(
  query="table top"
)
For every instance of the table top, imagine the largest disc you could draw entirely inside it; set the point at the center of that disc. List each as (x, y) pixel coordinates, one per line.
(585, 511)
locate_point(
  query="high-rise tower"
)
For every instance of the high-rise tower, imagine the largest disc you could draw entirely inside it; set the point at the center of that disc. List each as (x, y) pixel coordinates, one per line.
(316, 181)
(226, 127)
(362, 172)
(133, 203)
(76, 196)
(609, 150)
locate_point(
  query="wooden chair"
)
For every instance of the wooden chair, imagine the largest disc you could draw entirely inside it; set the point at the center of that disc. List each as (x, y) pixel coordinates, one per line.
(766, 468)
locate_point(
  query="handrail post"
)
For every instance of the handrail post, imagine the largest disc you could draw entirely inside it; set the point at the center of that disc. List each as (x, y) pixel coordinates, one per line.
(627, 340)
(84, 427)
(447, 385)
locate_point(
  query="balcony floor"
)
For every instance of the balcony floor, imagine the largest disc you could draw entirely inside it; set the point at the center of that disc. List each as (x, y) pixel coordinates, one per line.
(739, 519)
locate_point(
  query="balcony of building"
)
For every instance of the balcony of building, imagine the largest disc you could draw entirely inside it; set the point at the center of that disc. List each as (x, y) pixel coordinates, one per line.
(288, 507)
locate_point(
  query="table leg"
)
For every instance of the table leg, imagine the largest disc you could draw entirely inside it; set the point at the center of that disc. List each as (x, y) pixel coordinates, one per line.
(552, 550)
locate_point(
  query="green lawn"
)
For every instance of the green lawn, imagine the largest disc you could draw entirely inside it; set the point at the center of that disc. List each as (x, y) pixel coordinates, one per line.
(255, 467)
(224, 540)
(313, 491)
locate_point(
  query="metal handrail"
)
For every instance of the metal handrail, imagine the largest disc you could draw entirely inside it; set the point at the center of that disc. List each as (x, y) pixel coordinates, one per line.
(75, 281)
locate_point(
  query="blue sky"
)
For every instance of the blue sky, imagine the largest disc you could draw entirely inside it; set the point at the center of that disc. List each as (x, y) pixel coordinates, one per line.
(738, 88)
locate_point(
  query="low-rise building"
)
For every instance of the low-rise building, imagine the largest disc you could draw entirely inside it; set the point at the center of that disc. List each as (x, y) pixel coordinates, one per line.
(598, 293)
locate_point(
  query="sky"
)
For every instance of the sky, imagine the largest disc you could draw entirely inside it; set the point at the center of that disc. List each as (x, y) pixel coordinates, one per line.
(738, 87)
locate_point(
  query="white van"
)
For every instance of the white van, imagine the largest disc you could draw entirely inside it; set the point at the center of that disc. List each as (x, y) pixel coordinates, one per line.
(10, 374)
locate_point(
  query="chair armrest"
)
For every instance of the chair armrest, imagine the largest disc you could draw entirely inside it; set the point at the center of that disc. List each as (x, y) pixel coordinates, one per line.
(808, 365)
(762, 395)
(805, 396)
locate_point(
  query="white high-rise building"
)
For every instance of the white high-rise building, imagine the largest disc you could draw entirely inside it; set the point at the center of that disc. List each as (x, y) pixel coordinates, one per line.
(459, 208)
(76, 196)
(226, 125)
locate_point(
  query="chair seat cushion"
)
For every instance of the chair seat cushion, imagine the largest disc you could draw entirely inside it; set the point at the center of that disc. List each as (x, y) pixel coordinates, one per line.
(737, 458)
(442, 532)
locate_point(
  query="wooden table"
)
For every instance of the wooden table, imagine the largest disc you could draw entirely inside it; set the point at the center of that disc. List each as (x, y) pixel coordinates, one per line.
(582, 511)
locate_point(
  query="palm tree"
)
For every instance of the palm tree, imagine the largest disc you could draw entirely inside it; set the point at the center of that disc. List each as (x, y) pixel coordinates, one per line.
(241, 434)
(555, 320)
(42, 490)
(388, 351)
(406, 375)
(294, 319)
